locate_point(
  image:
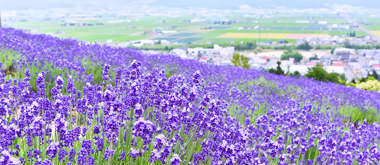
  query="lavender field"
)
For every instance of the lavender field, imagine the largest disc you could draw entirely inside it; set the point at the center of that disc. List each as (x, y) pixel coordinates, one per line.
(65, 102)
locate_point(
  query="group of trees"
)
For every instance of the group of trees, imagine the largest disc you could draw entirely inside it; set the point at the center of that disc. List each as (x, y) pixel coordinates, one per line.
(292, 54)
(279, 71)
(304, 46)
(351, 34)
(246, 46)
(240, 61)
(314, 57)
(317, 72)
(347, 44)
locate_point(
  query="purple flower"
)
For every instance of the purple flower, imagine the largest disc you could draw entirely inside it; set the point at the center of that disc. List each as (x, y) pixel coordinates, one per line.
(108, 153)
(47, 162)
(144, 129)
(99, 144)
(138, 111)
(165, 153)
(27, 73)
(247, 121)
(159, 142)
(96, 130)
(62, 154)
(84, 130)
(90, 161)
(59, 82)
(135, 153)
(176, 160)
(82, 157)
(122, 156)
(51, 151)
(72, 155)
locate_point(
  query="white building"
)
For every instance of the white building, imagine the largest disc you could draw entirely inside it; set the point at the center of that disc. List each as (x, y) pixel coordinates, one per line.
(216, 52)
(109, 41)
(123, 44)
(181, 52)
(373, 62)
(286, 63)
(354, 64)
(165, 42)
(339, 26)
(198, 20)
(369, 52)
(119, 21)
(302, 21)
(33, 31)
(143, 42)
(168, 32)
(328, 40)
(302, 69)
(226, 62)
(338, 51)
(334, 69)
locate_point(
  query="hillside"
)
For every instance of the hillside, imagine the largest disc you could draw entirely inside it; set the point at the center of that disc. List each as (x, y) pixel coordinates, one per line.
(93, 104)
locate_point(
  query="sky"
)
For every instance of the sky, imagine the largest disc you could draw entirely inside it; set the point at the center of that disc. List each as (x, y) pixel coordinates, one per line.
(217, 4)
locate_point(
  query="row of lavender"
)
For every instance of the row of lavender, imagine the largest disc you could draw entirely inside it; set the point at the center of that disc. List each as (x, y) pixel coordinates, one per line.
(203, 114)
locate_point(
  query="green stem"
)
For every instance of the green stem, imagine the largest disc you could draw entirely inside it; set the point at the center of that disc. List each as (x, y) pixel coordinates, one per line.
(110, 157)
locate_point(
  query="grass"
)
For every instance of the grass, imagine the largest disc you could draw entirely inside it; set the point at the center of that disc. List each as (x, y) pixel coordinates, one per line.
(91, 68)
(357, 115)
(372, 27)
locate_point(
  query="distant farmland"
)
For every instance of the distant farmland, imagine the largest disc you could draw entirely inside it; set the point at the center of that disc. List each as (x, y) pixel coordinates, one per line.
(281, 26)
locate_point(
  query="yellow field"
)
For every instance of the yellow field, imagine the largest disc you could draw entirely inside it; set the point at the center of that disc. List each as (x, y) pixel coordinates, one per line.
(254, 35)
(376, 33)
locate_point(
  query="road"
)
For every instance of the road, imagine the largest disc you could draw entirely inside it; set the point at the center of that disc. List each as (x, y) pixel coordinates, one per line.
(353, 22)
(348, 72)
(373, 36)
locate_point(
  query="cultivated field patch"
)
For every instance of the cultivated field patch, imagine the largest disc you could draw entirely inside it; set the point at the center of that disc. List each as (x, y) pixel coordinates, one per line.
(201, 31)
(376, 33)
(298, 36)
(319, 35)
(253, 35)
(165, 38)
(183, 34)
(221, 27)
(186, 40)
(215, 41)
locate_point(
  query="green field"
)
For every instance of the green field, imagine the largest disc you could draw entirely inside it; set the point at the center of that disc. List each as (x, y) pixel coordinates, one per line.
(264, 39)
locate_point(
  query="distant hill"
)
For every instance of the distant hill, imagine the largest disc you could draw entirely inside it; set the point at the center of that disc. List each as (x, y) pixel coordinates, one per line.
(217, 4)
